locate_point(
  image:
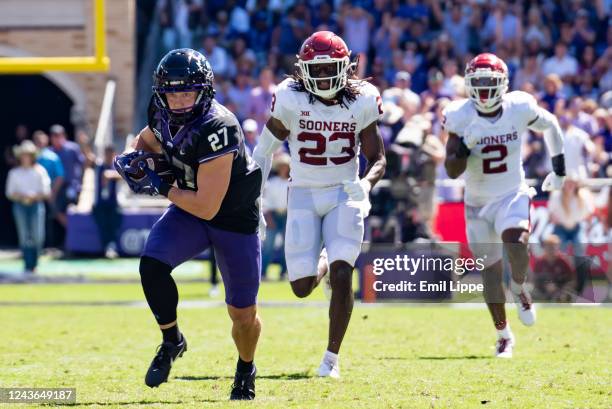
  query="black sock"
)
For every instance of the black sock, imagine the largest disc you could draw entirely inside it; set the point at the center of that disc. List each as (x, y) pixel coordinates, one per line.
(244, 367)
(172, 334)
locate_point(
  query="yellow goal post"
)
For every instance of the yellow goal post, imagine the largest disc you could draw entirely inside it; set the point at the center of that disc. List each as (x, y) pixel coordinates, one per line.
(99, 62)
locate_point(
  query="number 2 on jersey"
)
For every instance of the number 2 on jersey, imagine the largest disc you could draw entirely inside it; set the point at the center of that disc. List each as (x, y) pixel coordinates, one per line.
(215, 142)
(491, 164)
(312, 156)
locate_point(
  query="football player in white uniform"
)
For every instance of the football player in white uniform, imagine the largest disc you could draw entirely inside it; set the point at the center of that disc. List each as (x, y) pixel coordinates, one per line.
(485, 143)
(327, 117)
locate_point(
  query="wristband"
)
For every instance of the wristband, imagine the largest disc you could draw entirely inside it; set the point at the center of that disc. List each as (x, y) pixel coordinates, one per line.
(558, 164)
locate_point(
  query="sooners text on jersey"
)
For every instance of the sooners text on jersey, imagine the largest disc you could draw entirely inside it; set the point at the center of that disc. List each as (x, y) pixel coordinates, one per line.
(494, 167)
(324, 140)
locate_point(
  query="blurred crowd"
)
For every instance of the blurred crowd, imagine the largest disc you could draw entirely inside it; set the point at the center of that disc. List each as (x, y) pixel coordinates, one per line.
(46, 177)
(414, 52)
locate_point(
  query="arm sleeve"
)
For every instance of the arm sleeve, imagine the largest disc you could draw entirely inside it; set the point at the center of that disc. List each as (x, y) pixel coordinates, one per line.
(539, 119)
(218, 138)
(265, 148)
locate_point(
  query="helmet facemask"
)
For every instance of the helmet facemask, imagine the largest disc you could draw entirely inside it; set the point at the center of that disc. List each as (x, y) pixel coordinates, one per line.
(324, 76)
(485, 87)
(204, 96)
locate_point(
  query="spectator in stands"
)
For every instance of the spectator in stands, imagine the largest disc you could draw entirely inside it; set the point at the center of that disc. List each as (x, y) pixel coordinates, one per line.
(251, 133)
(475, 39)
(568, 208)
(323, 19)
(551, 96)
(84, 142)
(582, 34)
(73, 160)
(260, 36)
(27, 186)
(413, 10)
(578, 148)
(604, 126)
(587, 60)
(562, 64)
(582, 112)
(529, 72)
(553, 274)
(293, 29)
(434, 86)
(503, 26)
(453, 83)
(105, 210)
(174, 20)
(536, 30)
(217, 56)
(455, 23)
(239, 19)
(260, 100)
(275, 212)
(386, 37)
(401, 94)
(356, 24)
(53, 165)
(239, 93)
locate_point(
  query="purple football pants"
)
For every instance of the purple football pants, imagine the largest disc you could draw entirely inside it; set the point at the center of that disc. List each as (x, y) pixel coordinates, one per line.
(179, 236)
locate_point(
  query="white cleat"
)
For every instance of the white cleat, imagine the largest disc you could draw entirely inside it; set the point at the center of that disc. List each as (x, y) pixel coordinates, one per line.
(503, 347)
(526, 309)
(329, 369)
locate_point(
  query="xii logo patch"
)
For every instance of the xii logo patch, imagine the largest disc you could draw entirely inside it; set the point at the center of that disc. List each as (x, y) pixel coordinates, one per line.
(305, 113)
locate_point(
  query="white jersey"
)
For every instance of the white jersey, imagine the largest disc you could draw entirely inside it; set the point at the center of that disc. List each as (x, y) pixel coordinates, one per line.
(324, 140)
(494, 167)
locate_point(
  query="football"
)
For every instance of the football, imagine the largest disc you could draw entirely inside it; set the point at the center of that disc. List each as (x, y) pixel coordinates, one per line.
(157, 163)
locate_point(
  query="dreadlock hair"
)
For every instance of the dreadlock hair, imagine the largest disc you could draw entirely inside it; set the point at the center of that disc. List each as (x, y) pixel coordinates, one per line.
(345, 96)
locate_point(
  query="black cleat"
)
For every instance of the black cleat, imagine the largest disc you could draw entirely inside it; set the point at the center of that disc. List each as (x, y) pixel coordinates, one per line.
(160, 367)
(244, 386)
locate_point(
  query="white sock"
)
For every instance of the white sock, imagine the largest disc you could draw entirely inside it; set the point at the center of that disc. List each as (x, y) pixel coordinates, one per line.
(330, 357)
(515, 287)
(505, 333)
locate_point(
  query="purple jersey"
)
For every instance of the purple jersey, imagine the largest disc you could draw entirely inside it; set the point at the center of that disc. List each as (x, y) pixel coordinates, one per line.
(213, 134)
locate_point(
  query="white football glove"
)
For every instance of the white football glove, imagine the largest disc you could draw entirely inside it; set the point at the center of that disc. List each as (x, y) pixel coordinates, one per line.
(552, 182)
(359, 191)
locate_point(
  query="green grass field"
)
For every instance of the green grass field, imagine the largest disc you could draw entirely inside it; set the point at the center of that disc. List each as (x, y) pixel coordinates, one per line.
(396, 356)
